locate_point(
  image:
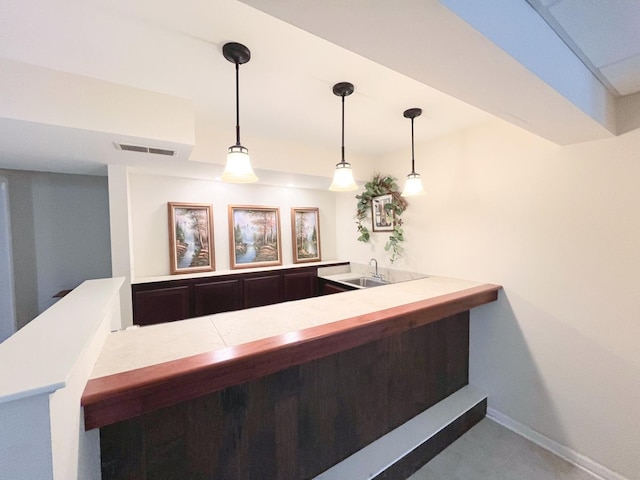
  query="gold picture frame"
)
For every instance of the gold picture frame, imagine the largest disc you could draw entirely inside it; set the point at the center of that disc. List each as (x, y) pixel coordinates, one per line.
(305, 234)
(191, 243)
(254, 236)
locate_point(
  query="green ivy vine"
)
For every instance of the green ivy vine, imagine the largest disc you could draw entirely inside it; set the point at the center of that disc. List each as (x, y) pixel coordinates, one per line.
(382, 185)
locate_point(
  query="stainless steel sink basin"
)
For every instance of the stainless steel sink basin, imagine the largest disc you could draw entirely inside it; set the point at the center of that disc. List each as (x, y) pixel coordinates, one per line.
(365, 282)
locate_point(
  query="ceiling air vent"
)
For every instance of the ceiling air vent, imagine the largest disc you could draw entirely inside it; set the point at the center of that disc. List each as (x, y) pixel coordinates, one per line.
(162, 151)
(142, 149)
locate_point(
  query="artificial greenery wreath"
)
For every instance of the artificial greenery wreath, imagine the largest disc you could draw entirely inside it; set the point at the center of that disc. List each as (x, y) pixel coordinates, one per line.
(382, 185)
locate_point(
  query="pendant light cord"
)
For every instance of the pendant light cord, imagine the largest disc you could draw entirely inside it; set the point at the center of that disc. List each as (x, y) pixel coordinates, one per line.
(413, 162)
(237, 104)
(342, 128)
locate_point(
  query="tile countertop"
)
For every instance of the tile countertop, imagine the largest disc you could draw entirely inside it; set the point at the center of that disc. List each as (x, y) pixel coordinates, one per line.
(140, 347)
(340, 273)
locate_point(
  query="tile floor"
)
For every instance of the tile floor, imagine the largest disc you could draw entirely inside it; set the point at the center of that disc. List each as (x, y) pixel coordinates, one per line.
(491, 452)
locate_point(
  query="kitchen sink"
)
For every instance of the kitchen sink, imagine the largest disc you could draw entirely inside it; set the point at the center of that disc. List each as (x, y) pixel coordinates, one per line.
(365, 282)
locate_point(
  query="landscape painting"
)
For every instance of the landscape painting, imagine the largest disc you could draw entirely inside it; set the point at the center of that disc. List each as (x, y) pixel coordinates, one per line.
(191, 237)
(305, 227)
(254, 236)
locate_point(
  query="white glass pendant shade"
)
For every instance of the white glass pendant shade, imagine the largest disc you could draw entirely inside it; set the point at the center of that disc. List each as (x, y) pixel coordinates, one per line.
(238, 169)
(343, 178)
(413, 187)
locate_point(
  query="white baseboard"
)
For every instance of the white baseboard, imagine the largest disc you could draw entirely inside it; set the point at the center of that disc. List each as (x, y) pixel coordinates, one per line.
(597, 470)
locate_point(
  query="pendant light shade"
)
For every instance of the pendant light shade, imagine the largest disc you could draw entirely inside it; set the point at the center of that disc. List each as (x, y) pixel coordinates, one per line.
(343, 176)
(413, 187)
(238, 169)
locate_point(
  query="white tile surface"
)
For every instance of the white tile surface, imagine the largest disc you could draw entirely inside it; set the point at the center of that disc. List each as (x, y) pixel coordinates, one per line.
(131, 349)
(248, 325)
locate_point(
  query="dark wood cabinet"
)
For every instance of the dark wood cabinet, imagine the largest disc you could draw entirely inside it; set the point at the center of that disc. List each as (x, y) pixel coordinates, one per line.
(167, 301)
(162, 305)
(327, 287)
(262, 290)
(217, 297)
(299, 285)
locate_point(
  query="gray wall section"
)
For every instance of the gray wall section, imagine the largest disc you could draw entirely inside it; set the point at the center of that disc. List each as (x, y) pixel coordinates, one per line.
(60, 230)
(7, 295)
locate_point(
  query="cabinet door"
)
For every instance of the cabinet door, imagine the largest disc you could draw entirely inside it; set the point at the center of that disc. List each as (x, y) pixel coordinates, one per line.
(298, 285)
(327, 288)
(161, 305)
(218, 296)
(262, 290)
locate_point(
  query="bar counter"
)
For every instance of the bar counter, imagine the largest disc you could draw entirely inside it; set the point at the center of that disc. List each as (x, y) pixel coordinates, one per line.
(145, 369)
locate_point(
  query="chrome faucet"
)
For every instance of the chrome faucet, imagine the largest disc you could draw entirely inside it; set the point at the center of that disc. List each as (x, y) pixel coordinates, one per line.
(375, 264)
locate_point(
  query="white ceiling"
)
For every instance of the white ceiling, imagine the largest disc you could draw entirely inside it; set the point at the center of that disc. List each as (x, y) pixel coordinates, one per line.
(418, 55)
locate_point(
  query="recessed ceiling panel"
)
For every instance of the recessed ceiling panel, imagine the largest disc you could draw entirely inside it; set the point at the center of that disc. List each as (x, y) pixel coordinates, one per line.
(625, 75)
(606, 31)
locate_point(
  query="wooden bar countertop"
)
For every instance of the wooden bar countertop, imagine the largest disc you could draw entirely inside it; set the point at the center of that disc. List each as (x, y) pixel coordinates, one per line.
(144, 369)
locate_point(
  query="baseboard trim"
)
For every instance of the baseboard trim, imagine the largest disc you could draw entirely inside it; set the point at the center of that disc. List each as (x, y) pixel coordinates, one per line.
(599, 472)
(415, 442)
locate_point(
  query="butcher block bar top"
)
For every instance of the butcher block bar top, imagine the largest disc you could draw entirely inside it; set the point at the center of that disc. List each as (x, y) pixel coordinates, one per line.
(144, 369)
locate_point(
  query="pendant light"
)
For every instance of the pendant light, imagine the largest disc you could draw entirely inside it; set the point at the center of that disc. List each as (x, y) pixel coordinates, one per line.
(238, 169)
(413, 187)
(343, 176)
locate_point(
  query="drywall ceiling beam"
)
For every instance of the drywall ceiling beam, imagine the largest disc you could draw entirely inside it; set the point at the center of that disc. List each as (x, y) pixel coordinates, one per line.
(430, 42)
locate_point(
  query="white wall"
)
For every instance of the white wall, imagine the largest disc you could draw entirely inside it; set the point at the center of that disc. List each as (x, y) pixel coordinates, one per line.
(121, 240)
(60, 235)
(71, 230)
(559, 228)
(149, 195)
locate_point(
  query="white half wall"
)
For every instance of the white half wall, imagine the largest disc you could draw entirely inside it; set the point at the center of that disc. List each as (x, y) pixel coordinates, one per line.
(558, 227)
(44, 368)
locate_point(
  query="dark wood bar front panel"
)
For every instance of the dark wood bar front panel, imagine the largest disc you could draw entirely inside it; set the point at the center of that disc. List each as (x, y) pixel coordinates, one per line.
(298, 422)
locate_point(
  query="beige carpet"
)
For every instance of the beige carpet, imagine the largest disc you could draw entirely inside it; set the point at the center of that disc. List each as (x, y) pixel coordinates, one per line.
(491, 452)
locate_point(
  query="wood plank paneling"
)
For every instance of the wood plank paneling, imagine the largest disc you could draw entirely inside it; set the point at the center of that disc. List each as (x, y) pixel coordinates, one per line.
(115, 444)
(297, 422)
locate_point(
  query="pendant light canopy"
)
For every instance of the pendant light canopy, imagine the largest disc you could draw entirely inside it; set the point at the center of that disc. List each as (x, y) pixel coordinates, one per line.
(413, 187)
(343, 177)
(238, 169)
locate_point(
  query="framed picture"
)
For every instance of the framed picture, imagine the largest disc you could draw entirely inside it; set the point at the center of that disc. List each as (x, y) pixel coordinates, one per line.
(382, 213)
(254, 236)
(305, 230)
(191, 237)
